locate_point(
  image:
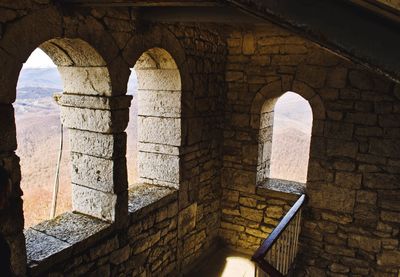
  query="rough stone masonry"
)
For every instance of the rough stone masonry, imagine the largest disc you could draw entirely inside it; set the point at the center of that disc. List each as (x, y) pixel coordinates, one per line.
(203, 165)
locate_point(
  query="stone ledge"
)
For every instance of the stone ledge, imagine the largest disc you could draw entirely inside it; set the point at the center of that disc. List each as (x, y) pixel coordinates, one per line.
(55, 240)
(281, 188)
(144, 198)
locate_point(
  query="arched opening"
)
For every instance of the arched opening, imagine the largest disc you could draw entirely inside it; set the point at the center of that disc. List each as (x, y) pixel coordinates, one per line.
(284, 139)
(37, 118)
(158, 120)
(87, 118)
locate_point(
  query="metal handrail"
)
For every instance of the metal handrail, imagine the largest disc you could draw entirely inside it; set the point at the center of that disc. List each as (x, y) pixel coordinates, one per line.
(270, 241)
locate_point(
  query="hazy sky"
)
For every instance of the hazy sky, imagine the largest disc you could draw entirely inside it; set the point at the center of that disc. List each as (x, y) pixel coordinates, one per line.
(38, 59)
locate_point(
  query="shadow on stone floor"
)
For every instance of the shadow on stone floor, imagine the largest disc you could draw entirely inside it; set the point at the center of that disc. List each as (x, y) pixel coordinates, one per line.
(224, 263)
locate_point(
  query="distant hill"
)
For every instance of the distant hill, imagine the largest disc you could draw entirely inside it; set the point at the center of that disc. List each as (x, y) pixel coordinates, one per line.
(40, 78)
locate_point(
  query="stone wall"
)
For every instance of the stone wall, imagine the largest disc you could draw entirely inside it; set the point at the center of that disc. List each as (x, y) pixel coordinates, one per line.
(95, 50)
(351, 222)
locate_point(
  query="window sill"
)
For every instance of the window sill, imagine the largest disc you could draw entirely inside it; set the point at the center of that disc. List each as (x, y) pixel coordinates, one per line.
(55, 240)
(144, 198)
(290, 189)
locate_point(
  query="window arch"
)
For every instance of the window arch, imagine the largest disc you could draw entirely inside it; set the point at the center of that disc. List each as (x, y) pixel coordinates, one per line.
(284, 139)
(158, 99)
(90, 113)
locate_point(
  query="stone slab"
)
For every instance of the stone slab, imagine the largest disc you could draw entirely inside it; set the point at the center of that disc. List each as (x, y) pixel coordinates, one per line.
(72, 227)
(40, 247)
(144, 198)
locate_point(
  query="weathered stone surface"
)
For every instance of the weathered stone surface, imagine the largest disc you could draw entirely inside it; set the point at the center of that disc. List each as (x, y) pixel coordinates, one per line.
(72, 227)
(158, 79)
(86, 80)
(333, 198)
(97, 173)
(96, 144)
(366, 243)
(389, 258)
(248, 44)
(142, 195)
(251, 214)
(101, 121)
(159, 168)
(40, 246)
(159, 130)
(93, 202)
(187, 219)
(159, 103)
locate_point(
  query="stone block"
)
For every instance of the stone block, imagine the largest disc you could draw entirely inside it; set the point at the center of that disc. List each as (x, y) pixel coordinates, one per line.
(348, 180)
(159, 168)
(342, 148)
(381, 181)
(384, 147)
(97, 144)
(160, 130)
(93, 202)
(251, 214)
(312, 75)
(365, 243)
(366, 197)
(187, 220)
(338, 130)
(332, 198)
(86, 80)
(389, 199)
(337, 77)
(389, 258)
(248, 44)
(158, 79)
(101, 121)
(98, 173)
(274, 212)
(240, 180)
(159, 103)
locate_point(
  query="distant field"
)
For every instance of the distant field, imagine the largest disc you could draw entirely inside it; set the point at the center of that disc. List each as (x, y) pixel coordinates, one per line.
(38, 134)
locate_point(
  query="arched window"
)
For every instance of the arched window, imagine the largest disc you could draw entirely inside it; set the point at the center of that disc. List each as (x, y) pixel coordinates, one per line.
(38, 134)
(284, 139)
(158, 102)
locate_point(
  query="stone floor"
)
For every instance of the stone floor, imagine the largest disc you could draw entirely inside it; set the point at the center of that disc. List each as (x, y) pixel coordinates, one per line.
(224, 263)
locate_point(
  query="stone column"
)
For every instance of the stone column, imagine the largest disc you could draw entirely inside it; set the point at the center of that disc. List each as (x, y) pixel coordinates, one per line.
(98, 146)
(159, 126)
